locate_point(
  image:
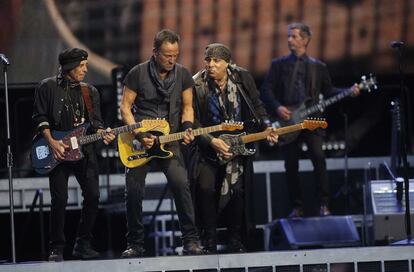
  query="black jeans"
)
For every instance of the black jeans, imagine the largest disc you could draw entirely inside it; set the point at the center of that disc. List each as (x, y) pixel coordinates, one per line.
(176, 173)
(86, 173)
(208, 186)
(291, 155)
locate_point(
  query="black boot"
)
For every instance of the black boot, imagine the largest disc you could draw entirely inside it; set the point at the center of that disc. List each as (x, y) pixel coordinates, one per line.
(210, 246)
(83, 250)
(191, 247)
(55, 254)
(133, 251)
(210, 241)
(235, 244)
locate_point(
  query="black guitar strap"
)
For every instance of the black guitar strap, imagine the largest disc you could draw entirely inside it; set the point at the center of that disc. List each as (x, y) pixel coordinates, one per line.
(240, 87)
(311, 79)
(248, 102)
(293, 77)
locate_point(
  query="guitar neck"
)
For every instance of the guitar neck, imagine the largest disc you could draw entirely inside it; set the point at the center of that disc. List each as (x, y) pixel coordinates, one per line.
(180, 135)
(262, 135)
(325, 103)
(99, 136)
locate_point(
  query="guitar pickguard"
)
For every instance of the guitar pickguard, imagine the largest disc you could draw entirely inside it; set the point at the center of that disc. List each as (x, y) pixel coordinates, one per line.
(237, 147)
(133, 154)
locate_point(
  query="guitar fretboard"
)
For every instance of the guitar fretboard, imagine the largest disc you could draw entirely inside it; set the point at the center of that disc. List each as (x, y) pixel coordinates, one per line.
(325, 103)
(99, 136)
(262, 135)
(180, 135)
(365, 84)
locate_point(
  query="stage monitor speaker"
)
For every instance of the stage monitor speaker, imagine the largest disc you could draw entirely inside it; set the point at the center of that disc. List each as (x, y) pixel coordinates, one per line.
(312, 232)
(388, 212)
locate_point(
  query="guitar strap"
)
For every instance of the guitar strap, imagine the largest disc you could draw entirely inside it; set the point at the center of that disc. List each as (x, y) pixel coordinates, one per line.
(311, 79)
(248, 102)
(293, 77)
(86, 97)
(88, 101)
(240, 87)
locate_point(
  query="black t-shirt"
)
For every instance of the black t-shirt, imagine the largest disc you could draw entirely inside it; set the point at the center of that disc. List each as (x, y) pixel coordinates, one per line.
(149, 103)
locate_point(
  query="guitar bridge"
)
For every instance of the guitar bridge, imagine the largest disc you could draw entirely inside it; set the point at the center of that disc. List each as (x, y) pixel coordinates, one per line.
(137, 157)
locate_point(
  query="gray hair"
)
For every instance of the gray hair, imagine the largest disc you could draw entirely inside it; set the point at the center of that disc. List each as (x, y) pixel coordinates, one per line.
(304, 29)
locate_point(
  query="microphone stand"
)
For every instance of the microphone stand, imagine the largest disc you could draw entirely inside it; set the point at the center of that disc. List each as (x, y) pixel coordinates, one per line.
(398, 47)
(346, 184)
(345, 189)
(5, 63)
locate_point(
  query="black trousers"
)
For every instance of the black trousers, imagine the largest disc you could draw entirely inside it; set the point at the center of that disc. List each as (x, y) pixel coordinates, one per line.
(176, 173)
(208, 185)
(87, 175)
(291, 156)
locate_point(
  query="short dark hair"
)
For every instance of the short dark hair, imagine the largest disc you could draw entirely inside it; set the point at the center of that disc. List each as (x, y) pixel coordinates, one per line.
(304, 29)
(165, 35)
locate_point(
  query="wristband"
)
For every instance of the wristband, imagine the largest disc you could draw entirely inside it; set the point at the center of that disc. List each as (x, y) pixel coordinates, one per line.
(186, 125)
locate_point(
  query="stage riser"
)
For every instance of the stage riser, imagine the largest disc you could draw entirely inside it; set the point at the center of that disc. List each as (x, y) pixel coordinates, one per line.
(378, 259)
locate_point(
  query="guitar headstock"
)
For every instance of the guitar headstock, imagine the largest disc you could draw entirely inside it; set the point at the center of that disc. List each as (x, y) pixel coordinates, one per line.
(152, 123)
(231, 125)
(368, 84)
(314, 124)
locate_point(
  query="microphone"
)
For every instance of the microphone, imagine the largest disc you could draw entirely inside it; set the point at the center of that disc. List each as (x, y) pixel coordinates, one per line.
(396, 44)
(4, 59)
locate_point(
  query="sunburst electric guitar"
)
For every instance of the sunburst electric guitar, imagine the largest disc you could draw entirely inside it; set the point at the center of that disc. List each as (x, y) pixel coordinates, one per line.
(238, 142)
(133, 154)
(42, 158)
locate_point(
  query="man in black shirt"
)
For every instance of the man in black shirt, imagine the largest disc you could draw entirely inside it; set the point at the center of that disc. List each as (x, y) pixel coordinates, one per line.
(160, 88)
(291, 81)
(60, 105)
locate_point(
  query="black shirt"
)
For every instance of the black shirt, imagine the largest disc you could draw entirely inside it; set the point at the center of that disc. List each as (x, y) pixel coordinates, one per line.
(73, 110)
(49, 110)
(149, 102)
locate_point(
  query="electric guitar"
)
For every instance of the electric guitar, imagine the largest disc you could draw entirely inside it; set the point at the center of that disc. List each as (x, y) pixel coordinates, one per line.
(238, 142)
(299, 113)
(42, 158)
(133, 154)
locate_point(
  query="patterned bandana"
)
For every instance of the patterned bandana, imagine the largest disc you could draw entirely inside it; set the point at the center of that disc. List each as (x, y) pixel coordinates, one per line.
(219, 51)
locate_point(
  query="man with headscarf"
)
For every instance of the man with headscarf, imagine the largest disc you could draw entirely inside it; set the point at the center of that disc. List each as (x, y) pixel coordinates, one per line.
(224, 91)
(61, 105)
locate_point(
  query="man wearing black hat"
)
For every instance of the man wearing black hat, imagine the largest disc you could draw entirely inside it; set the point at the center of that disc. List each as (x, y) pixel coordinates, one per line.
(60, 105)
(224, 91)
